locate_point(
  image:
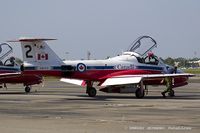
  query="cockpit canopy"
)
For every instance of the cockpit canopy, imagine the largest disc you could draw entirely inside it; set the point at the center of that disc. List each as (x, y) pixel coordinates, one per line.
(5, 50)
(141, 48)
(142, 45)
(6, 58)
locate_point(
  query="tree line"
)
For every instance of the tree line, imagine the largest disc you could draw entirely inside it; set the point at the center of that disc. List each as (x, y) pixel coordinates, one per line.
(181, 62)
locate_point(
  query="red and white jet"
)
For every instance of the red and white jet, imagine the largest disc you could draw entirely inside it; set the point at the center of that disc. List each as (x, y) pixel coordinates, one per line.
(10, 70)
(128, 72)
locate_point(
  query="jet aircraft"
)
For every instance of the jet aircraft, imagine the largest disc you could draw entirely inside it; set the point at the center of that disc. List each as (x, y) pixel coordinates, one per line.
(10, 70)
(132, 71)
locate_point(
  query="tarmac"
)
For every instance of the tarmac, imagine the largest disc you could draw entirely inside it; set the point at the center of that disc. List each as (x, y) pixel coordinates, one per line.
(61, 108)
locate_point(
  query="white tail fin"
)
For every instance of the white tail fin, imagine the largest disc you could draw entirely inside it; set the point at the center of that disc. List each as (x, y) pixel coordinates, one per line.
(36, 51)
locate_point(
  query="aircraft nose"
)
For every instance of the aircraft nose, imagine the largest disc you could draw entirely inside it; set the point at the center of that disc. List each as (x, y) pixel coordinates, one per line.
(170, 70)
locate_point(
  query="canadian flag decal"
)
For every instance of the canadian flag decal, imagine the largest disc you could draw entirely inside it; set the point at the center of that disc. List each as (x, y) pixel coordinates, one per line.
(42, 56)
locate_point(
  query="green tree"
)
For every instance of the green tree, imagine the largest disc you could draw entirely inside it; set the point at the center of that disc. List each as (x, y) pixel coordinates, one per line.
(169, 61)
(182, 62)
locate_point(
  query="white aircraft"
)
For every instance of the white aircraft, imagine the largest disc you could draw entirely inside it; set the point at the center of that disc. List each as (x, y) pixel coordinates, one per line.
(129, 72)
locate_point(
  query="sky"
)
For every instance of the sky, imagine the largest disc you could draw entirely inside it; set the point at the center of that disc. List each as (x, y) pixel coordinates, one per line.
(103, 27)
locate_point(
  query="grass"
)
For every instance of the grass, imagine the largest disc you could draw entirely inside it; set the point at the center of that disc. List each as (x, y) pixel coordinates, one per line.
(193, 71)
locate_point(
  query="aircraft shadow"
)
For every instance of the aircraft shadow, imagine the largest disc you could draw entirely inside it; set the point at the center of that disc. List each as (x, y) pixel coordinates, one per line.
(107, 98)
(12, 93)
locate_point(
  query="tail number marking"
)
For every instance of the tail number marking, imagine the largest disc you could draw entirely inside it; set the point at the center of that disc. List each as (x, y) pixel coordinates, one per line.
(29, 48)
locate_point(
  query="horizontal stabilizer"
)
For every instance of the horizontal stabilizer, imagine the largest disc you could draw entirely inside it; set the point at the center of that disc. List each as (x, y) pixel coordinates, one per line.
(29, 39)
(73, 81)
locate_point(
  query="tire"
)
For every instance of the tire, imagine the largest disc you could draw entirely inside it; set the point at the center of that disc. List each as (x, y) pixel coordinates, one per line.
(138, 93)
(27, 89)
(91, 92)
(171, 93)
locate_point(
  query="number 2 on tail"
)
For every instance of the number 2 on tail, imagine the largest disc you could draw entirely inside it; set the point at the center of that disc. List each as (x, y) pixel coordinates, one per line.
(29, 48)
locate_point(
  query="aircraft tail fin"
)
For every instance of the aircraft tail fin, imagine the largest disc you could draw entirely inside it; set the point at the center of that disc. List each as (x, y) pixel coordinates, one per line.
(36, 51)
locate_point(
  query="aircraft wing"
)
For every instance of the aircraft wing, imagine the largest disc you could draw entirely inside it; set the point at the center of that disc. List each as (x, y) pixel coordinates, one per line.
(126, 79)
(134, 79)
(9, 75)
(109, 81)
(73, 81)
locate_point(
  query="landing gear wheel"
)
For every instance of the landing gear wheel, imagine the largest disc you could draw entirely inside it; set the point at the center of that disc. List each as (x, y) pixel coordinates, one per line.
(27, 89)
(139, 93)
(91, 91)
(171, 93)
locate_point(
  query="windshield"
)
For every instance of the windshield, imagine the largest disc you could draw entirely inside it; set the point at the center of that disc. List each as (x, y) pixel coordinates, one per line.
(142, 45)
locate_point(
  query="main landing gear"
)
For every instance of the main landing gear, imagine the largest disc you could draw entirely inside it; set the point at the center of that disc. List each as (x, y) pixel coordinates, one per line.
(27, 89)
(139, 93)
(91, 91)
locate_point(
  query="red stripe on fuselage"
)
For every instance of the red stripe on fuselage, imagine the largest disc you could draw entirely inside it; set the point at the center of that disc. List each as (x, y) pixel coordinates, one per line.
(101, 75)
(93, 75)
(43, 73)
(26, 79)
